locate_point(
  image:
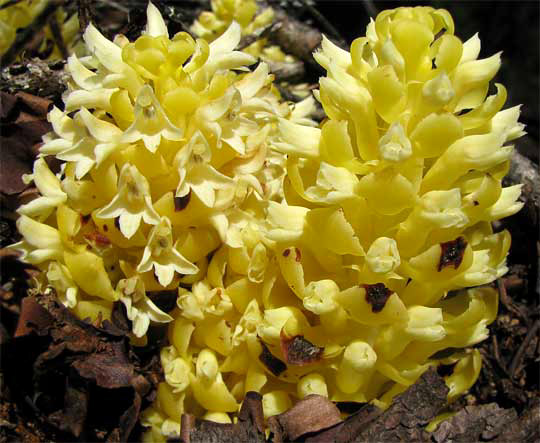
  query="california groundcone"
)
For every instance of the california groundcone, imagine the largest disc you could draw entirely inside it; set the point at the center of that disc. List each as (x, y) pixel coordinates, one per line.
(338, 260)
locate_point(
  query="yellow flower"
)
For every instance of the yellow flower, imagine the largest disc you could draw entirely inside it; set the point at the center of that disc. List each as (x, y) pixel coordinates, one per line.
(133, 202)
(139, 308)
(50, 189)
(151, 123)
(161, 255)
(196, 173)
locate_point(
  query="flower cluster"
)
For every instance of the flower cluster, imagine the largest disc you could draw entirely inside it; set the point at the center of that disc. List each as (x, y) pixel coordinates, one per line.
(211, 24)
(343, 260)
(162, 142)
(21, 14)
(389, 208)
(356, 282)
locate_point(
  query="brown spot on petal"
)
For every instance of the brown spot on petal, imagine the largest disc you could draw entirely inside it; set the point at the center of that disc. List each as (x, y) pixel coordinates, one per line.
(452, 253)
(273, 364)
(298, 254)
(105, 228)
(377, 295)
(286, 252)
(98, 238)
(299, 351)
(181, 202)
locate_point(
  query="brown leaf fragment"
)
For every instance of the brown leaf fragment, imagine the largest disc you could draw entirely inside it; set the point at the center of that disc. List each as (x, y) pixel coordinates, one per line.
(7, 105)
(17, 159)
(71, 418)
(37, 106)
(252, 410)
(109, 370)
(409, 412)
(33, 318)
(128, 420)
(82, 380)
(299, 351)
(312, 414)
(473, 423)
(23, 122)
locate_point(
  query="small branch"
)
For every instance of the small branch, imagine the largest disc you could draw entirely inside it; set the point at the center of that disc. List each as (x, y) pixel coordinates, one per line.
(252, 38)
(115, 5)
(84, 14)
(295, 38)
(507, 301)
(291, 72)
(371, 9)
(57, 36)
(518, 357)
(330, 29)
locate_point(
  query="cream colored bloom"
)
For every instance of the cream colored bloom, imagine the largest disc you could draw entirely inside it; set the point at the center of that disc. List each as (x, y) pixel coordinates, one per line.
(139, 308)
(196, 173)
(133, 202)
(102, 140)
(50, 189)
(161, 255)
(151, 123)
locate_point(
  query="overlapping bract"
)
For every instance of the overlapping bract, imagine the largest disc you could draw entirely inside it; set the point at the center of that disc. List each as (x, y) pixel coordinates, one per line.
(343, 260)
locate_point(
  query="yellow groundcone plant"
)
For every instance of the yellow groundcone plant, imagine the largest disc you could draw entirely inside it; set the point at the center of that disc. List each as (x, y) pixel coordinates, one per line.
(211, 24)
(374, 266)
(384, 242)
(165, 150)
(342, 260)
(21, 14)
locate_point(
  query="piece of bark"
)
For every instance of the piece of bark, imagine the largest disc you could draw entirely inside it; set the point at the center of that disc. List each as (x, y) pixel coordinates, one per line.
(522, 170)
(310, 415)
(291, 72)
(347, 430)
(473, 423)
(36, 77)
(248, 429)
(409, 412)
(525, 429)
(295, 37)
